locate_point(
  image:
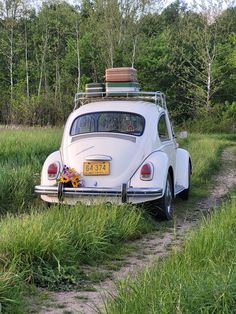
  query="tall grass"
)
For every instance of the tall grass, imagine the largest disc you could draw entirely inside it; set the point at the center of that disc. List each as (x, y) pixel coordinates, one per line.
(11, 292)
(22, 153)
(199, 279)
(66, 236)
(205, 151)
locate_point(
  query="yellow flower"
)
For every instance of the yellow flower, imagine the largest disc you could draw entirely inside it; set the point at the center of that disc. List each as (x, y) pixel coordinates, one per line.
(75, 183)
(64, 179)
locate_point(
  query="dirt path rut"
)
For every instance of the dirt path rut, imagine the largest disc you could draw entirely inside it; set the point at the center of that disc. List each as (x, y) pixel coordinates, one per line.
(149, 248)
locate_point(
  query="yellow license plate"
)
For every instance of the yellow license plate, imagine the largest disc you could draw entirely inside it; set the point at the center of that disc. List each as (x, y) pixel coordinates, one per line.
(96, 168)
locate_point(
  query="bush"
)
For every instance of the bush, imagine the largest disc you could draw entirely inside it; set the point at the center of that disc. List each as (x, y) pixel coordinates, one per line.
(220, 118)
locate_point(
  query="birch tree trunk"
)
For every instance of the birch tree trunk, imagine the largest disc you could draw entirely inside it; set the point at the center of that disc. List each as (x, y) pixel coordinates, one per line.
(10, 10)
(134, 51)
(78, 55)
(42, 66)
(27, 67)
(10, 58)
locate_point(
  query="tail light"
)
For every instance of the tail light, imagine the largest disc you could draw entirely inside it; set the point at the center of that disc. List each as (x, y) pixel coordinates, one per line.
(146, 173)
(53, 170)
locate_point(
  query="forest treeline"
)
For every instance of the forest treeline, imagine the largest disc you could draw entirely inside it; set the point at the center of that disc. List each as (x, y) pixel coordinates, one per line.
(48, 54)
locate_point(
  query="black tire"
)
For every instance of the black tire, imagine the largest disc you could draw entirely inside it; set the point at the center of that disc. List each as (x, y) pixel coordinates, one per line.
(185, 193)
(48, 205)
(163, 207)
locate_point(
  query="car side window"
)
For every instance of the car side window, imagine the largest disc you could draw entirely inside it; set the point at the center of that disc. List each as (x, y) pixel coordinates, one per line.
(162, 129)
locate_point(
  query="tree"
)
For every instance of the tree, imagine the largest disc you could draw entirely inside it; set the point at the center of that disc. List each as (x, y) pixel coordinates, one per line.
(10, 11)
(199, 50)
(226, 62)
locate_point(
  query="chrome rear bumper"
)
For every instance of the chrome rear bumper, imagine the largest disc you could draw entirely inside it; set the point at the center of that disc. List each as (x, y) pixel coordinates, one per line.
(123, 192)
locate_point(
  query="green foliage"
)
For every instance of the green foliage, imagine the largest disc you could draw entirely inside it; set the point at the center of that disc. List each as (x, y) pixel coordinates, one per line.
(221, 118)
(45, 57)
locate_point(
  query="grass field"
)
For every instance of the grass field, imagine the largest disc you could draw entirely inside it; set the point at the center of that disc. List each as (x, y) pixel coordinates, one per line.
(43, 243)
(199, 279)
(47, 246)
(22, 154)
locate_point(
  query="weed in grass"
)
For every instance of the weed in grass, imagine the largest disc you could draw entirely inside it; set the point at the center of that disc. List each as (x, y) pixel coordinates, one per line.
(64, 279)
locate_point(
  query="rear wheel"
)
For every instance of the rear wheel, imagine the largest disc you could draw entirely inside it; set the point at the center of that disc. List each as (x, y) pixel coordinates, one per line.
(163, 207)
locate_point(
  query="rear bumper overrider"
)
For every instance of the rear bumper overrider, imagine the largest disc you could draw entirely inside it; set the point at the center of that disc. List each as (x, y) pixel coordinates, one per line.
(124, 192)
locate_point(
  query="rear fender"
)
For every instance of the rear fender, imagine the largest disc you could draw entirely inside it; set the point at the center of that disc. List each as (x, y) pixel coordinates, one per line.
(160, 164)
(54, 157)
(182, 167)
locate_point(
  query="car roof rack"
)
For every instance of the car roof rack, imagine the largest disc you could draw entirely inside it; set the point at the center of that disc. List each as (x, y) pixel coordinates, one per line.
(85, 98)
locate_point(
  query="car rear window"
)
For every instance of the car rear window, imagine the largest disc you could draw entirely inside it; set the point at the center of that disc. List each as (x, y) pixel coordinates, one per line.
(116, 122)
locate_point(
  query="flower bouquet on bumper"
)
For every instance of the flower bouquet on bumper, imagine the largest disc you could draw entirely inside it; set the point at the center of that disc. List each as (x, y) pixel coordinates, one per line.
(70, 177)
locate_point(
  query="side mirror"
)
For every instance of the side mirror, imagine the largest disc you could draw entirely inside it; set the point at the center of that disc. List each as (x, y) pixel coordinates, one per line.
(182, 135)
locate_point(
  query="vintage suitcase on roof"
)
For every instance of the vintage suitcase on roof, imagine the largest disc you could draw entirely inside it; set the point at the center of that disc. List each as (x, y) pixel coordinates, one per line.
(122, 88)
(121, 75)
(94, 89)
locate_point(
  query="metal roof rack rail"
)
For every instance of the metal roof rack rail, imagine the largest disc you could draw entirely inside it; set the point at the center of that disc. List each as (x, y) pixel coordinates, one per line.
(155, 97)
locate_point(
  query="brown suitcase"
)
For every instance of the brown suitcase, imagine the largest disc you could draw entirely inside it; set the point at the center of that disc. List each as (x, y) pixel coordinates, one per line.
(121, 75)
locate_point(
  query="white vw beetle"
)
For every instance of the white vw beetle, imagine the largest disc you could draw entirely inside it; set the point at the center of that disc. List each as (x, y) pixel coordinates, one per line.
(122, 150)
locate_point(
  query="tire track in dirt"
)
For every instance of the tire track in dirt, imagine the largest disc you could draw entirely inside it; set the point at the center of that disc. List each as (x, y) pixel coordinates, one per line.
(150, 247)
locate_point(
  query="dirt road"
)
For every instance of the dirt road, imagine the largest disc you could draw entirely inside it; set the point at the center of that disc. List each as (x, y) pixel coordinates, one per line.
(150, 247)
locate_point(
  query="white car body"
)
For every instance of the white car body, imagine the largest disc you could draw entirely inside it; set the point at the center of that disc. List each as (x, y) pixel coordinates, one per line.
(125, 153)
